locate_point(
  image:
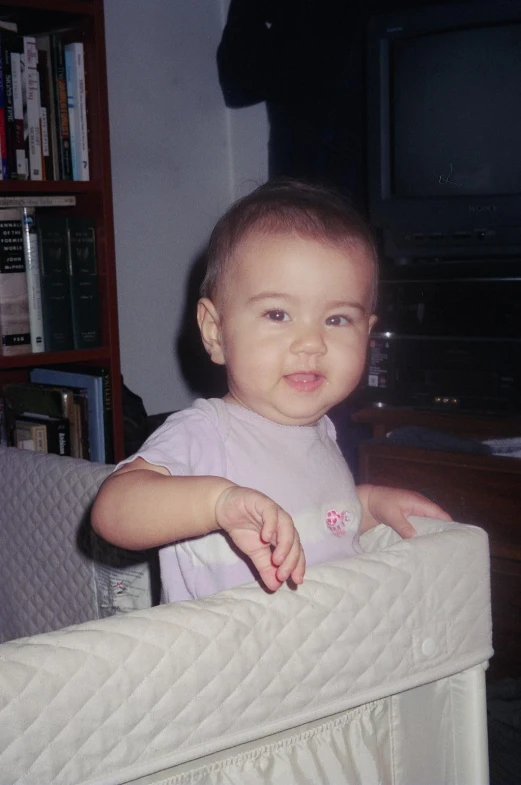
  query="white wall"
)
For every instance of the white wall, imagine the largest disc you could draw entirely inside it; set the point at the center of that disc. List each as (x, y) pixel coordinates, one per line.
(178, 159)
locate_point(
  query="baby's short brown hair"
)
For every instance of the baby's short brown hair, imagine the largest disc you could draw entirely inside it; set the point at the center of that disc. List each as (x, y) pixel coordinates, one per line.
(285, 206)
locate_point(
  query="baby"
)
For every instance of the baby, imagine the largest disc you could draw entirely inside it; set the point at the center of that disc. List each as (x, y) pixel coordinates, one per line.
(287, 307)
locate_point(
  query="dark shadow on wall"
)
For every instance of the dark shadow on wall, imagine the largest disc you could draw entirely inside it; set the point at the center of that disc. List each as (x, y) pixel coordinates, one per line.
(203, 377)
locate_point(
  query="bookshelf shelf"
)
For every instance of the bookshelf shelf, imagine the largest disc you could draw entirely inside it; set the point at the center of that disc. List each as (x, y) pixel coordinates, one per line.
(101, 355)
(28, 187)
(37, 7)
(80, 20)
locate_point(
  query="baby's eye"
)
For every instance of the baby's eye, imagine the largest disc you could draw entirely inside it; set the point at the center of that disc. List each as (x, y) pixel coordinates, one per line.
(277, 316)
(338, 320)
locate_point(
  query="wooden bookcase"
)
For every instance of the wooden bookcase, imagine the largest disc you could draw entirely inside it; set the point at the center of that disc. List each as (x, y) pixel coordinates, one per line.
(85, 21)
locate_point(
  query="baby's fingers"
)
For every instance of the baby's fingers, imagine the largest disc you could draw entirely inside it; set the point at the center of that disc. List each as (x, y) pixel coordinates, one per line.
(297, 574)
(284, 538)
(294, 564)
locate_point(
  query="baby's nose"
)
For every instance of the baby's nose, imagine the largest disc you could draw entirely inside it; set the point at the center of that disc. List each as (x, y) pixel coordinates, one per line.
(310, 339)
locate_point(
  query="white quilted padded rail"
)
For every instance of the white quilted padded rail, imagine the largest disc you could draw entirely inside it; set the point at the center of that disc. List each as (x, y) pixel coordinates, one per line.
(111, 700)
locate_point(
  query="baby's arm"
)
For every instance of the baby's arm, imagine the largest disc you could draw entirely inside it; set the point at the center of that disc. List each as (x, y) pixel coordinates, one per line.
(143, 506)
(393, 506)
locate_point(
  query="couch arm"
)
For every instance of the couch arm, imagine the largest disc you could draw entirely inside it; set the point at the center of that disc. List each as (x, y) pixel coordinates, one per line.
(53, 570)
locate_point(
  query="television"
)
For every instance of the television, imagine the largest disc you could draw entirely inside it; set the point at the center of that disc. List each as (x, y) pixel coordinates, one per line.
(444, 131)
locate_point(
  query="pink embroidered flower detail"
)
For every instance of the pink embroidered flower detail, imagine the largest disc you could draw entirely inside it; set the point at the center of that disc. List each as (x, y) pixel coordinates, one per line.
(337, 522)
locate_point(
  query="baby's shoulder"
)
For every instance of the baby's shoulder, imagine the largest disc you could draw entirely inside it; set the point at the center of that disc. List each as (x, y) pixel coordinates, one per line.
(204, 415)
(205, 421)
(190, 441)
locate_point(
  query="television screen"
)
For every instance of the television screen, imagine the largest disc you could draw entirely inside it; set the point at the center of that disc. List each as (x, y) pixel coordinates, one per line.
(444, 131)
(456, 113)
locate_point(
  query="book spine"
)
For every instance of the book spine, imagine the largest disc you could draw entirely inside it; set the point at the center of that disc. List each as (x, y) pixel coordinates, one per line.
(82, 419)
(26, 398)
(49, 149)
(14, 303)
(60, 442)
(58, 436)
(108, 415)
(34, 292)
(48, 96)
(40, 439)
(75, 72)
(102, 375)
(33, 141)
(84, 283)
(38, 201)
(3, 424)
(53, 249)
(71, 105)
(30, 435)
(10, 127)
(18, 109)
(3, 126)
(61, 109)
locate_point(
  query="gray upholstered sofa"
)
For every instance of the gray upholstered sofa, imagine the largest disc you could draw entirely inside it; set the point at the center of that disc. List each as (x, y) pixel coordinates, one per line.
(370, 672)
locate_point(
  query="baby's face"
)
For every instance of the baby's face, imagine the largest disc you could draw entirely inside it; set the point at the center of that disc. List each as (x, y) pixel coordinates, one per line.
(294, 324)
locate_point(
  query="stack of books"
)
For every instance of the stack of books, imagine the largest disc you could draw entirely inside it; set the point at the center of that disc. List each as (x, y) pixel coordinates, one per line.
(49, 295)
(61, 410)
(43, 110)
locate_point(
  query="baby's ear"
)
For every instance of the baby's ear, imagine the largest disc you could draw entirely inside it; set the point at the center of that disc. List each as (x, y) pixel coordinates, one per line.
(210, 328)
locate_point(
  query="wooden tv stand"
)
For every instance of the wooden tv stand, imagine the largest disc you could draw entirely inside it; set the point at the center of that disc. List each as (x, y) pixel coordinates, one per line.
(477, 489)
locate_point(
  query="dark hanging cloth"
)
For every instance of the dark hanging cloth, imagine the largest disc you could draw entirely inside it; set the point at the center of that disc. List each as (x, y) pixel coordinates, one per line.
(295, 55)
(306, 60)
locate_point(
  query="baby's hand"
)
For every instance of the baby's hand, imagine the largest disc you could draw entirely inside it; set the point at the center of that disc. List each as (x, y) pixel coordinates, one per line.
(264, 532)
(393, 506)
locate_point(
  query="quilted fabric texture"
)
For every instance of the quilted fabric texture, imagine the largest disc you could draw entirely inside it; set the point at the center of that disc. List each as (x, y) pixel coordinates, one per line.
(111, 700)
(52, 573)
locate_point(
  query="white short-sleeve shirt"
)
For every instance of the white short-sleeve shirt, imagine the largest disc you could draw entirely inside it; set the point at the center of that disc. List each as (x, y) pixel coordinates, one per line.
(299, 467)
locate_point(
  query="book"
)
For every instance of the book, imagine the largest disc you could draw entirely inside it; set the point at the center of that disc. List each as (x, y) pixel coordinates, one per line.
(94, 387)
(5, 24)
(23, 398)
(27, 399)
(45, 114)
(30, 435)
(82, 416)
(31, 97)
(16, 45)
(7, 85)
(70, 410)
(76, 98)
(11, 45)
(53, 251)
(60, 200)
(61, 109)
(57, 430)
(108, 425)
(3, 426)
(84, 282)
(32, 269)
(3, 132)
(48, 101)
(15, 328)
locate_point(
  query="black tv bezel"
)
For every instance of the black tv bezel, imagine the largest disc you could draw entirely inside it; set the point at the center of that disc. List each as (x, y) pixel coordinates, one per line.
(442, 227)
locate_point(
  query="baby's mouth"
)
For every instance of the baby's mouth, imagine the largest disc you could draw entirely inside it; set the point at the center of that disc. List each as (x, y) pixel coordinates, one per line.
(304, 382)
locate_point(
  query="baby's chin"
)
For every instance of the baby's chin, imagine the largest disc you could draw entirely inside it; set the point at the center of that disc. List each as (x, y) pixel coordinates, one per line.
(275, 414)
